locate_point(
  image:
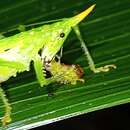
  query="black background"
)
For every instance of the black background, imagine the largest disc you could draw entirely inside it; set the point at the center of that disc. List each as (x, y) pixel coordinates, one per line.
(115, 118)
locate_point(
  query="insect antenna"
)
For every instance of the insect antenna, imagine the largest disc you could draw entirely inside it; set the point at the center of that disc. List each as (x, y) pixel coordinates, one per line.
(16, 28)
(44, 22)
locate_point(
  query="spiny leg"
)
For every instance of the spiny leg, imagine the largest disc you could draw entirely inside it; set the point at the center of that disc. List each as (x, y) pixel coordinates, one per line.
(39, 66)
(105, 68)
(6, 118)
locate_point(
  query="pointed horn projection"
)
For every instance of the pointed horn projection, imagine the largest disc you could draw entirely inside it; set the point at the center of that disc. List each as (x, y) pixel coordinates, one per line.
(79, 17)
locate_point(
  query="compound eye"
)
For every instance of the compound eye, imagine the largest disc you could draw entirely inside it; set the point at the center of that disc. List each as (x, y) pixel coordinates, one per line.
(62, 35)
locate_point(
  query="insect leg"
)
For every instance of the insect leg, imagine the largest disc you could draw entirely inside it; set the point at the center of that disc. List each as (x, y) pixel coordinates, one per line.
(105, 68)
(60, 55)
(38, 66)
(6, 118)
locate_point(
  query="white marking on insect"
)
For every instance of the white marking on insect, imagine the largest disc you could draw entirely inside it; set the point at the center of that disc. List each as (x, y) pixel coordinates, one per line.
(2, 79)
(13, 55)
(10, 55)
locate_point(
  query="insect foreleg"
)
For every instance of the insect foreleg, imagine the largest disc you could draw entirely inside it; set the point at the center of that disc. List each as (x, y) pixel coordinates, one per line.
(105, 68)
(40, 73)
(38, 66)
(6, 118)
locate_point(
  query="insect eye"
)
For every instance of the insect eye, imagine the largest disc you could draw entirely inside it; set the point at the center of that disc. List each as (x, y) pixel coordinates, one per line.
(62, 35)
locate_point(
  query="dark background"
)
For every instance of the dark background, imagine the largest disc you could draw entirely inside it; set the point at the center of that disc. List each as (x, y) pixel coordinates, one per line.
(107, 34)
(115, 118)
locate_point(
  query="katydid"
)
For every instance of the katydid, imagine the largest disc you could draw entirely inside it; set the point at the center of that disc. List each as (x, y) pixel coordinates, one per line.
(17, 52)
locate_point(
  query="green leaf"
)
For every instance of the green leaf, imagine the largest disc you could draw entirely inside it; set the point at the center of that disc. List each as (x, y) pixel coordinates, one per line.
(107, 35)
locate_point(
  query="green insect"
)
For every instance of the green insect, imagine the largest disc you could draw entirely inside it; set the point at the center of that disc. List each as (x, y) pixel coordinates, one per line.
(17, 52)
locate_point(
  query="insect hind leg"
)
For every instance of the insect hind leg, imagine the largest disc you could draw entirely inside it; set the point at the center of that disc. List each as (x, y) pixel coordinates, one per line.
(6, 118)
(105, 68)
